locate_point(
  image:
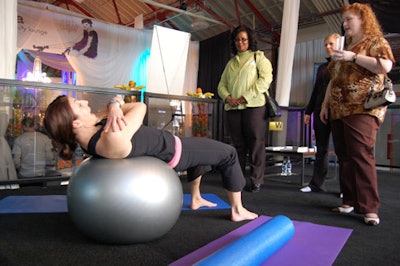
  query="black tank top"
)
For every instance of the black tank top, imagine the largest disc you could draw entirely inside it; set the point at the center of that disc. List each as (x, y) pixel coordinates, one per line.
(147, 141)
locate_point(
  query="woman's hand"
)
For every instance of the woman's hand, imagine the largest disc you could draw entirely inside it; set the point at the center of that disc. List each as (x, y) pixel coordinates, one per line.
(235, 102)
(116, 118)
(343, 55)
(307, 119)
(367, 62)
(324, 115)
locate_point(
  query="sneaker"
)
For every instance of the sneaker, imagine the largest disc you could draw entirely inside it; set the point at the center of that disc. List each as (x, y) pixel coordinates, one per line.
(306, 189)
(255, 188)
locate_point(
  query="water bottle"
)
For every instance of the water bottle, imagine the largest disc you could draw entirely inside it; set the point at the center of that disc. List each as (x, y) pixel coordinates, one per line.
(289, 167)
(284, 167)
(175, 127)
(78, 157)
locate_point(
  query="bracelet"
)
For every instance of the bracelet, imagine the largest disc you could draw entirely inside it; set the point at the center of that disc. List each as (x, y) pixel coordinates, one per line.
(115, 101)
(355, 58)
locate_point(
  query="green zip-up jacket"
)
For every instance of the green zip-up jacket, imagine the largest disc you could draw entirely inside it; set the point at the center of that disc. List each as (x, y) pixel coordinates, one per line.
(240, 78)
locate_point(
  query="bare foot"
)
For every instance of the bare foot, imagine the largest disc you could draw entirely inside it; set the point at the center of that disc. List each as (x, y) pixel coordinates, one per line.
(242, 215)
(200, 202)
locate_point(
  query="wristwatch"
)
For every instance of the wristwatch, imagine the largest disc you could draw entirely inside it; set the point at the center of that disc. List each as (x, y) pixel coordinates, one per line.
(115, 101)
(355, 57)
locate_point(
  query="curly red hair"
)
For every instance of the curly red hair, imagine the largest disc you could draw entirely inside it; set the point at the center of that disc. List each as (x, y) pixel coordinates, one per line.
(370, 26)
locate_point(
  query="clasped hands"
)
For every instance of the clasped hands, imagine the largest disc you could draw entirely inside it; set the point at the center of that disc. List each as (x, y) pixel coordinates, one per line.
(115, 118)
(235, 102)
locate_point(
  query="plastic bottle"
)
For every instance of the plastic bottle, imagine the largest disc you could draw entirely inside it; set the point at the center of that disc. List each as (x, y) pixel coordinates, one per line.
(289, 167)
(284, 167)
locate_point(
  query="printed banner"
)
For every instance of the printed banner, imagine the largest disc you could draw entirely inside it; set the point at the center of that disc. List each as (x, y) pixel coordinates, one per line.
(102, 54)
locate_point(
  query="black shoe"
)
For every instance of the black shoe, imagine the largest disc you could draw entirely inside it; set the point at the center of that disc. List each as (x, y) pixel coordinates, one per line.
(255, 188)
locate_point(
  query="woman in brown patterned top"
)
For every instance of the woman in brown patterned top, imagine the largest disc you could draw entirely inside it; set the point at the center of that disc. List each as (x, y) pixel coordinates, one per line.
(366, 56)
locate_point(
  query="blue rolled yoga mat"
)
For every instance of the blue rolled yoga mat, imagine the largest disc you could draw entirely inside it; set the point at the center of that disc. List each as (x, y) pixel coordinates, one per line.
(255, 247)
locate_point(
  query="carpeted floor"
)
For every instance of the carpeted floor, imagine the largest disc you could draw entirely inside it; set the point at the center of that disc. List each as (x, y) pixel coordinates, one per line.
(52, 239)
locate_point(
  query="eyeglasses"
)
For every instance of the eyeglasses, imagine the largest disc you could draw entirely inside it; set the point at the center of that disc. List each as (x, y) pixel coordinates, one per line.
(241, 40)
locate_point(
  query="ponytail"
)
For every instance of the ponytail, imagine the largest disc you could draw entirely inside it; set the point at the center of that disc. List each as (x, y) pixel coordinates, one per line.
(58, 125)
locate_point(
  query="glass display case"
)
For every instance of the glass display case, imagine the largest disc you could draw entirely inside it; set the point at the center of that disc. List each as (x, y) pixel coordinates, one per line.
(20, 99)
(182, 115)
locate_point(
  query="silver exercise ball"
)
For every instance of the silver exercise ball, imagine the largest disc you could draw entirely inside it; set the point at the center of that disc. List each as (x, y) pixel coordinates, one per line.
(124, 201)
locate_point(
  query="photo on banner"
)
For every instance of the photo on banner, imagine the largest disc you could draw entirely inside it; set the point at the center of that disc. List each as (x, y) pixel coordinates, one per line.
(102, 54)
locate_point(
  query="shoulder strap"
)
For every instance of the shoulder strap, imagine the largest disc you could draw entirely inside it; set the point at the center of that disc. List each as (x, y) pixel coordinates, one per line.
(255, 60)
(258, 75)
(386, 79)
(95, 138)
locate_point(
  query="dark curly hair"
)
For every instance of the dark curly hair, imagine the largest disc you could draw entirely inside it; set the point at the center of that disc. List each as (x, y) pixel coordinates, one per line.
(28, 122)
(251, 35)
(86, 20)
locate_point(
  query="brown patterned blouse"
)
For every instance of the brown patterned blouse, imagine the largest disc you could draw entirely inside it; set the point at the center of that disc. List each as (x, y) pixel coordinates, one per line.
(350, 82)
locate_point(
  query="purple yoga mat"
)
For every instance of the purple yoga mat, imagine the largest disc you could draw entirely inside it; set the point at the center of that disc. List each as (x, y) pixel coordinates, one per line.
(312, 244)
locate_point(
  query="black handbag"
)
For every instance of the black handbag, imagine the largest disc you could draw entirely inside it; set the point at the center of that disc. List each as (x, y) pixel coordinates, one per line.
(272, 108)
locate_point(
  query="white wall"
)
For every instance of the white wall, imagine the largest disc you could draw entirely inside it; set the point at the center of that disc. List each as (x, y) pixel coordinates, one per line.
(309, 50)
(313, 33)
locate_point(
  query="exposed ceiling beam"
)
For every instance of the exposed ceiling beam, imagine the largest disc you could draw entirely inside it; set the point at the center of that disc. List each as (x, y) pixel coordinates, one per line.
(237, 13)
(162, 17)
(150, 2)
(263, 20)
(117, 12)
(215, 15)
(157, 16)
(70, 2)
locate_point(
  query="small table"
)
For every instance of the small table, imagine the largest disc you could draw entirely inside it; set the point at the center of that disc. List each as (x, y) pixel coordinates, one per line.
(291, 153)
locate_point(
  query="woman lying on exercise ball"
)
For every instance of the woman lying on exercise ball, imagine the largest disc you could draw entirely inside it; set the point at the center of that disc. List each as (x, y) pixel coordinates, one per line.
(121, 134)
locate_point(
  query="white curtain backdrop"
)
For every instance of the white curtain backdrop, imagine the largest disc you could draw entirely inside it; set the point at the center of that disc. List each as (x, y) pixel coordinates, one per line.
(8, 33)
(286, 50)
(8, 49)
(285, 63)
(52, 60)
(168, 59)
(192, 67)
(7, 168)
